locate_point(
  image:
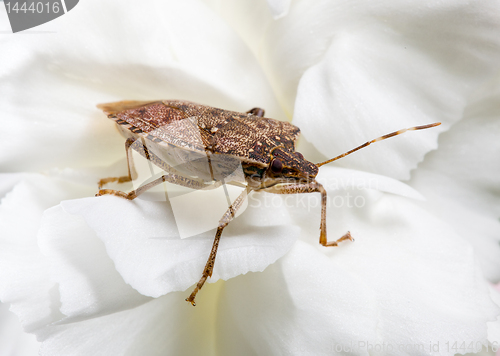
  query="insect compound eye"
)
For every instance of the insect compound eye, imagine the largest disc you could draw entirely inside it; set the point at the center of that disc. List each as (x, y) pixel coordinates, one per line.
(276, 166)
(300, 155)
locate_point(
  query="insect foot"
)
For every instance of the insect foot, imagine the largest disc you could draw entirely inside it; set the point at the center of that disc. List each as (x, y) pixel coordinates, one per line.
(118, 193)
(324, 242)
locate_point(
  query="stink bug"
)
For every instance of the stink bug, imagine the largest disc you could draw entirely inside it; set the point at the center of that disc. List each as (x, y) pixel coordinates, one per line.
(180, 137)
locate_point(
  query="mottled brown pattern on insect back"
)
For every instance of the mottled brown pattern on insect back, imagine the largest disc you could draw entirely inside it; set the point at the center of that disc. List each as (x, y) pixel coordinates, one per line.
(165, 123)
(186, 124)
(254, 138)
(151, 117)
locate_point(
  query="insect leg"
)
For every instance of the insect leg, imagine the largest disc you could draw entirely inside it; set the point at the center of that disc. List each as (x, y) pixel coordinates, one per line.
(223, 222)
(132, 174)
(311, 187)
(170, 178)
(257, 112)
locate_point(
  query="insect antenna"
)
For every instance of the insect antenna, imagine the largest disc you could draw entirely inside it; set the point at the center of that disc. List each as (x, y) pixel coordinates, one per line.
(395, 133)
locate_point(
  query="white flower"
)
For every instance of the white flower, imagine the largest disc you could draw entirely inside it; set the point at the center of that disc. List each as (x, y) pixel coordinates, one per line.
(108, 276)
(14, 341)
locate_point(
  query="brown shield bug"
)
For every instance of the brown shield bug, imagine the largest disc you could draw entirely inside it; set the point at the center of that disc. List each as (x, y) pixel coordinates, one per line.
(198, 146)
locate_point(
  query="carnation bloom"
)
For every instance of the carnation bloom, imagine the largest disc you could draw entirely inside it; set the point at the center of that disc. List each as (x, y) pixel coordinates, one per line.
(108, 276)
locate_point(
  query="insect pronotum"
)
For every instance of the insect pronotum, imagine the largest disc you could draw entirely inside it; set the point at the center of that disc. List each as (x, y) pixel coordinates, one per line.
(176, 135)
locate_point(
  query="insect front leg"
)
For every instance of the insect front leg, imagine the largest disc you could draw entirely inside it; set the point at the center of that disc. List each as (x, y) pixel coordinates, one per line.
(257, 112)
(132, 174)
(223, 222)
(311, 187)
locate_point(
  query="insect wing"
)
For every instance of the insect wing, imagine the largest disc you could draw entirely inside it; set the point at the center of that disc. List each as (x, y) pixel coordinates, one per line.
(170, 135)
(119, 106)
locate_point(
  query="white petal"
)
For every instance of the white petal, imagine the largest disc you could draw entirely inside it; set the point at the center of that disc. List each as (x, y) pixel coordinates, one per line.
(402, 282)
(353, 73)
(163, 326)
(28, 281)
(494, 326)
(339, 109)
(49, 92)
(4, 23)
(292, 307)
(142, 240)
(334, 178)
(13, 340)
(279, 8)
(8, 181)
(24, 271)
(89, 284)
(461, 179)
(249, 18)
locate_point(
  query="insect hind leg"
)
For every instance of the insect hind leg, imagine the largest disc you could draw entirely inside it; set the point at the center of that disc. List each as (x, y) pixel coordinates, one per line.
(223, 222)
